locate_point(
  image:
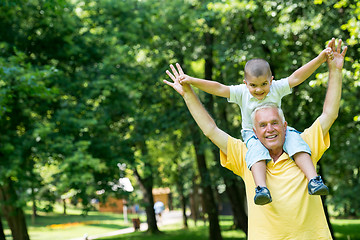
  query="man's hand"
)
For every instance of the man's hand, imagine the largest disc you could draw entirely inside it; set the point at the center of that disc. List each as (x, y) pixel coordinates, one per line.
(333, 93)
(337, 62)
(175, 76)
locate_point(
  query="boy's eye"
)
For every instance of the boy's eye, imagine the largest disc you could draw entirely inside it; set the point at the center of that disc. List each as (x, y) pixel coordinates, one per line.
(265, 83)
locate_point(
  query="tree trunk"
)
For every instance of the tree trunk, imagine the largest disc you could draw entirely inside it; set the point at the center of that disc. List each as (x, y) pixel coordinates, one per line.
(2, 234)
(14, 215)
(323, 199)
(194, 206)
(148, 200)
(235, 194)
(182, 202)
(146, 186)
(209, 203)
(34, 208)
(64, 206)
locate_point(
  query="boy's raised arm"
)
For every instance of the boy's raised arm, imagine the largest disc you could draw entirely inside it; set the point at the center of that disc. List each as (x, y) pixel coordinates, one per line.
(212, 87)
(301, 74)
(197, 110)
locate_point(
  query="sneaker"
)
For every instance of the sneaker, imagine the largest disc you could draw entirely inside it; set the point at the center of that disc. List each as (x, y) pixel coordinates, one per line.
(316, 186)
(262, 196)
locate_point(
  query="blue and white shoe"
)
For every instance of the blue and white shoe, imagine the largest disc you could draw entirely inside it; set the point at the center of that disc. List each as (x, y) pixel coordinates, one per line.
(262, 196)
(316, 186)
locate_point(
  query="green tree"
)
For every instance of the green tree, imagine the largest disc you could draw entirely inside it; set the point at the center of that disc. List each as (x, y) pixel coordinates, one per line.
(25, 97)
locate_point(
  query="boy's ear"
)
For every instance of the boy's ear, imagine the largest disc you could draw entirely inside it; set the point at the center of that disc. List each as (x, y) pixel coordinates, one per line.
(244, 81)
(272, 78)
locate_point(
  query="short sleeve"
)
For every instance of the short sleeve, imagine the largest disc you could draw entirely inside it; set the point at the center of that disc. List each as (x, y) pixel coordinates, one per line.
(281, 87)
(236, 93)
(317, 142)
(234, 160)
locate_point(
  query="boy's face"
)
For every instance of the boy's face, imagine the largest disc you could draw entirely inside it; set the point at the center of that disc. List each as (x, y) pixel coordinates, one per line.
(259, 87)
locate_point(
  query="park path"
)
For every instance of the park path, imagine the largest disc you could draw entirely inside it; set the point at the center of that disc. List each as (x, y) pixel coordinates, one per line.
(171, 217)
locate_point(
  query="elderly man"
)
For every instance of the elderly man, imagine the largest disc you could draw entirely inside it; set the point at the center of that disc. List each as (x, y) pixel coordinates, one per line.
(294, 214)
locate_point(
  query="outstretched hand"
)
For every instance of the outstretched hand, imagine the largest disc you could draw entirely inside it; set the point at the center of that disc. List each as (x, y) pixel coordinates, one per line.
(337, 62)
(175, 76)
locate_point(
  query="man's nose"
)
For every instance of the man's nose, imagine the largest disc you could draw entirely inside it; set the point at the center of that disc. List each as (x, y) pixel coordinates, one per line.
(269, 127)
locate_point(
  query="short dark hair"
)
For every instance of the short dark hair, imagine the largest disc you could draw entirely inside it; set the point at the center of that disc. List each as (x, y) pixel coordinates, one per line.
(257, 67)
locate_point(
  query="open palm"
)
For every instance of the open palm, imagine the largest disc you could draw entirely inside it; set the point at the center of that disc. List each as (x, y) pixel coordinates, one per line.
(175, 76)
(338, 61)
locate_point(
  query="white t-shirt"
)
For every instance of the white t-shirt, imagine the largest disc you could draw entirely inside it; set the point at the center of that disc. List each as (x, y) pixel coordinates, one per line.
(240, 94)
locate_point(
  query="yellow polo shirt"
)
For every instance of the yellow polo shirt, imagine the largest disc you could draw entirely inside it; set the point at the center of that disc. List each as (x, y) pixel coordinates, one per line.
(293, 213)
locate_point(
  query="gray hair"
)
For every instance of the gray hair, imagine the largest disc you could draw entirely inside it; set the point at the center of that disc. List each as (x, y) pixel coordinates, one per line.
(264, 106)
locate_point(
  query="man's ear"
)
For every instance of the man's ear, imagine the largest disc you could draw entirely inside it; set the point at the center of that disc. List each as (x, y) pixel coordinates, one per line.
(285, 124)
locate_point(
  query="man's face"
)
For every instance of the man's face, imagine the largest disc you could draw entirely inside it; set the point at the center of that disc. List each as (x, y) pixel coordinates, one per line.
(270, 129)
(259, 87)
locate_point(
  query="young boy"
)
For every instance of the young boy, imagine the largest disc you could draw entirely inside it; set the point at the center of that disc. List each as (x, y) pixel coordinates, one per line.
(258, 88)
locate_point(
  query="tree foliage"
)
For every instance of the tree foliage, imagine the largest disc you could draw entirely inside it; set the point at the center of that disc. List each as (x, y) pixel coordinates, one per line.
(81, 90)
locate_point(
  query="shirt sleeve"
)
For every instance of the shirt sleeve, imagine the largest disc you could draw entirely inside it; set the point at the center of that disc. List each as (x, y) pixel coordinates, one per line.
(282, 87)
(317, 142)
(234, 160)
(236, 92)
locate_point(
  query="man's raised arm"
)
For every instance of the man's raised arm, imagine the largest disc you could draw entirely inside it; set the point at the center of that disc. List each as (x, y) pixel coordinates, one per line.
(333, 93)
(197, 110)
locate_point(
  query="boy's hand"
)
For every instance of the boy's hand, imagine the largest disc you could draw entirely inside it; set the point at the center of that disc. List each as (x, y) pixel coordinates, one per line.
(185, 79)
(338, 57)
(326, 54)
(177, 74)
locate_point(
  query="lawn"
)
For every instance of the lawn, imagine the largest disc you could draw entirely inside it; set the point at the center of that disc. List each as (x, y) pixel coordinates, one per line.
(344, 230)
(56, 226)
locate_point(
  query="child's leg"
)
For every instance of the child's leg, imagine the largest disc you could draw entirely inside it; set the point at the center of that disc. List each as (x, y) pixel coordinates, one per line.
(295, 147)
(262, 193)
(258, 171)
(255, 160)
(304, 162)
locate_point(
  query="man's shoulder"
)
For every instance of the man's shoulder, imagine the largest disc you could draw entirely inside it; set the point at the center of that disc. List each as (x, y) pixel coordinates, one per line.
(235, 157)
(317, 141)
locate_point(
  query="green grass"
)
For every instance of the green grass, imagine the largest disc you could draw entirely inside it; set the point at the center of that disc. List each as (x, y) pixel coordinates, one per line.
(176, 232)
(346, 229)
(52, 226)
(56, 226)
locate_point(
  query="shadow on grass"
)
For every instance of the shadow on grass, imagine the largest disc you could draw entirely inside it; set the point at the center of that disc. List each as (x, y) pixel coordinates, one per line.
(107, 225)
(198, 233)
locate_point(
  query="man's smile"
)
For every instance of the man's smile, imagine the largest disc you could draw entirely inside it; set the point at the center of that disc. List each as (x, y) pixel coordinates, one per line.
(271, 136)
